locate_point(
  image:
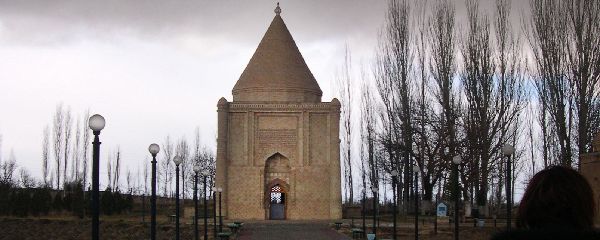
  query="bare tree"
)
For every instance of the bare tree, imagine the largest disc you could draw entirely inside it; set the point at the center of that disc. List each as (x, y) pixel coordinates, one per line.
(45, 155)
(442, 68)
(84, 150)
(583, 61)
(547, 39)
(130, 181)
(394, 75)
(368, 134)
(494, 95)
(345, 90)
(511, 92)
(26, 179)
(146, 173)
(117, 170)
(208, 162)
(109, 171)
(197, 147)
(75, 158)
(167, 174)
(532, 141)
(7, 169)
(427, 132)
(199, 156)
(186, 165)
(477, 80)
(68, 125)
(57, 134)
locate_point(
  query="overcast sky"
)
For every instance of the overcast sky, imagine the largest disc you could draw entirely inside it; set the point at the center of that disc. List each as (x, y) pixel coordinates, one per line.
(154, 68)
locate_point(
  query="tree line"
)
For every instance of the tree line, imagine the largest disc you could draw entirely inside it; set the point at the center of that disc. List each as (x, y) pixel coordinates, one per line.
(435, 90)
(65, 185)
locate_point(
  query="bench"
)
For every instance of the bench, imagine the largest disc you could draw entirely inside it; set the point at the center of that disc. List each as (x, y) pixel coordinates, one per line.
(224, 235)
(172, 218)
(338, 225)
(234, 227)
(357, 233)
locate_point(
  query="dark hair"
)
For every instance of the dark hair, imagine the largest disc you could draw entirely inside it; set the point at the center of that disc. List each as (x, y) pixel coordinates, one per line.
(557, 197)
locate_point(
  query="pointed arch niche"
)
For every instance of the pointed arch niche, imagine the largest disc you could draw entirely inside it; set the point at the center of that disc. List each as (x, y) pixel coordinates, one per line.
(277, 166)
(277, 175)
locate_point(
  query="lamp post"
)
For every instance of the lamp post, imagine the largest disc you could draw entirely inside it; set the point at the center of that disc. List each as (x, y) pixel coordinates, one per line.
(205, 174)
(456, 160)
(508, 150)
(214, 189)
(364, 210)
(177, 160)
(220, 190)
(375, 193)
(196, 171)
(416, 171)
(395, 206)
(96, 123)
(153, 149)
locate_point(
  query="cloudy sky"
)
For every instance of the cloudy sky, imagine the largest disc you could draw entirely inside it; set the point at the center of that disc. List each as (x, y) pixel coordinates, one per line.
(155, 68)
(152, 68)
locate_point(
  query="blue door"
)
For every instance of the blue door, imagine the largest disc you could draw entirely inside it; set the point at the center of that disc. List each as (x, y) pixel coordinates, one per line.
(277, 206)
(277, 211)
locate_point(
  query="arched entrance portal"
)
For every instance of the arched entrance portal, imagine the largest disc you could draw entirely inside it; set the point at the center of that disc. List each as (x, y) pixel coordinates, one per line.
(277, 169)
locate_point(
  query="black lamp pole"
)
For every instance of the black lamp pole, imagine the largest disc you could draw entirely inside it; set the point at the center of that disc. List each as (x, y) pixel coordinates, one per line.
(416, 203)
(153, 200)
(96, 123)
(507, 151)
(177, 202)
(196, 206)
(215, 212)
(375, 190)
(205, 210)
(144, 206)
(364, 210)
(395, 206)
(220, 215)
(96, 187)
(456, 200)
(508, 194)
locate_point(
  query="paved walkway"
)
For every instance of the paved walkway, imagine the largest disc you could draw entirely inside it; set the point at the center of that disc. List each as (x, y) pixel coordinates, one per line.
(289, 230)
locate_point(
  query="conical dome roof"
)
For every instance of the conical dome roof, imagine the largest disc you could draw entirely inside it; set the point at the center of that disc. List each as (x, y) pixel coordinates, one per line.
(277, 72)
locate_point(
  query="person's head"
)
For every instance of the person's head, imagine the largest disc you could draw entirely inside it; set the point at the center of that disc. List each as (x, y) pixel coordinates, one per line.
(557, 197)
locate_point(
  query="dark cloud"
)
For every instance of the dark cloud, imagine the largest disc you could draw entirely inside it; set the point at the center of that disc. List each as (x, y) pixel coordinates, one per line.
(67, 20)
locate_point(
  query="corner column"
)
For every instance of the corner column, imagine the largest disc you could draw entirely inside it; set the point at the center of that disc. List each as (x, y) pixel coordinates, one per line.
(222, 131)
(335, 205)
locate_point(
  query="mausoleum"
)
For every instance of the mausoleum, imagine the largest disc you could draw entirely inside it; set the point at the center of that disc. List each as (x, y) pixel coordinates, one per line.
(278, 154)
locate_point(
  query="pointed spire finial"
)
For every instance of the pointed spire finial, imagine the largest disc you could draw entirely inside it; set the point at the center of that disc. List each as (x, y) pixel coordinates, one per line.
(277, 9)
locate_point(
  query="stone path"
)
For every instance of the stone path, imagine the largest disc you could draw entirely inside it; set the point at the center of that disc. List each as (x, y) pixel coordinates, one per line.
(289, 230)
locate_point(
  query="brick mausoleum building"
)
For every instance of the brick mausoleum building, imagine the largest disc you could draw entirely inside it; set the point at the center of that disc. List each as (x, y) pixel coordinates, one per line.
(590, 168)
(278, 153)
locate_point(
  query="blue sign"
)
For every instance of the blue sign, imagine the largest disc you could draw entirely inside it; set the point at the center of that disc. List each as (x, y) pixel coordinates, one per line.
(442, 210)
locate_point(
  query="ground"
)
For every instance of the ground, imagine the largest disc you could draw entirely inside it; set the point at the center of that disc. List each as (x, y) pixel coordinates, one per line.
(67, 228)
(118, 227)
(289, 230)
(405, 230)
